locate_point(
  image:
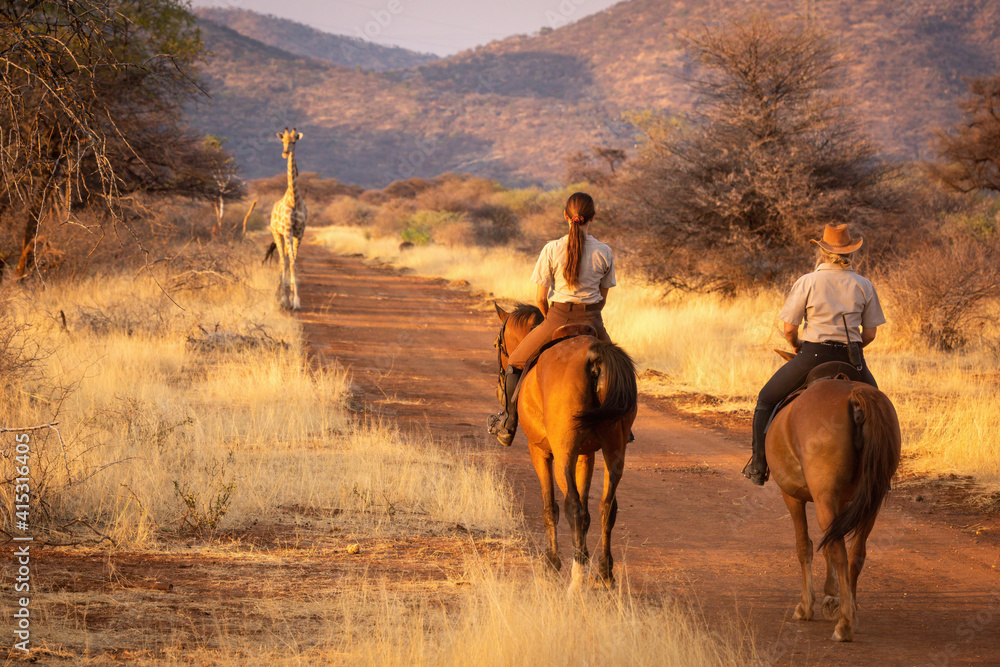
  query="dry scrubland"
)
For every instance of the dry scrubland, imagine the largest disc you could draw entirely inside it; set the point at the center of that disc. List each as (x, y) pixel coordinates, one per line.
(203, 443)
(713, 353)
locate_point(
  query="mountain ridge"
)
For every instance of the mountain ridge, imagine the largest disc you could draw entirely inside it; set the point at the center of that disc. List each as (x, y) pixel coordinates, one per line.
(513, 109)
(302, 40)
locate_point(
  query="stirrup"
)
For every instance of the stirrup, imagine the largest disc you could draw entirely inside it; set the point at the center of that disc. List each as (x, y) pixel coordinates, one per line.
(494, 425)
(754, 475)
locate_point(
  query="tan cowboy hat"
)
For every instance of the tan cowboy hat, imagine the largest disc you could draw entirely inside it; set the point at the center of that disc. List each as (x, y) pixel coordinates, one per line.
(837, 239)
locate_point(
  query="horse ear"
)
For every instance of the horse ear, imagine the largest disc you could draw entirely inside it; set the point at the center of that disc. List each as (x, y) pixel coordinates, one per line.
(501, 313)
(787, 356)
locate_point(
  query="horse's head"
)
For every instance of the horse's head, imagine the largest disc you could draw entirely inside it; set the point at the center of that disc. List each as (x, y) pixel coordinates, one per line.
(514, 326)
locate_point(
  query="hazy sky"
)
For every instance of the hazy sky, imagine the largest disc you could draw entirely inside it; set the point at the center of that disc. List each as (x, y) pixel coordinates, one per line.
(434, 26)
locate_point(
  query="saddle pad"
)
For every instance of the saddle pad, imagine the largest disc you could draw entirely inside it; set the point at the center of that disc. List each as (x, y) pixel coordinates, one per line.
(831, 370)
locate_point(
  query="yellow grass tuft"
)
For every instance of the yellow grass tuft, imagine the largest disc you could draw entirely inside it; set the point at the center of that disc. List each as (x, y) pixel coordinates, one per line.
(504, 621)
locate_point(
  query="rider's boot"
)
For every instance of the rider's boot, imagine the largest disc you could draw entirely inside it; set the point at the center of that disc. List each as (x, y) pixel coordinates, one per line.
(756, 470)
(504, 425)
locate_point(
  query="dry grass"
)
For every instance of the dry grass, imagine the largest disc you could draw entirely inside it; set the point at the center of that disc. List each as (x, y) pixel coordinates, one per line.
(948, 403)
(161, 431)
(340, 542)
(308, 601)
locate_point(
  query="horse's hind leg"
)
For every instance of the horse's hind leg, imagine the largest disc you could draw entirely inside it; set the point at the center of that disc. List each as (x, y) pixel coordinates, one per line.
(831, 594)
(836, 553)
(584, 473)
(858, 553)
(564, 467)
(804, 546)
(614, 464)
(550, 510)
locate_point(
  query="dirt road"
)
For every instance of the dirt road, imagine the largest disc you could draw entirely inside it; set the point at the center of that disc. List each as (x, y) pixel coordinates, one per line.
(421, 353)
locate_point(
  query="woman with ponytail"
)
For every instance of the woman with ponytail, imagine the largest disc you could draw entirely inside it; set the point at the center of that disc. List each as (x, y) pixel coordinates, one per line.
(574, 273)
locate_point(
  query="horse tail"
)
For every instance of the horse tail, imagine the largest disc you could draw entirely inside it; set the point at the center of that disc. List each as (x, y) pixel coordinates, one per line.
(270, 252)
(877, 437)
(613, 380)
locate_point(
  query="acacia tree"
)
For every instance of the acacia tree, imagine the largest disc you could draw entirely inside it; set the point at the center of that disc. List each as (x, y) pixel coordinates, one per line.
(597, 166)
(91, 99)
(970, 153)
(771, 152)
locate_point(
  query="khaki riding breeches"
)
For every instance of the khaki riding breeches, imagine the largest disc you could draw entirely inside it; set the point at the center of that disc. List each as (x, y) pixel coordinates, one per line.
(559, 314)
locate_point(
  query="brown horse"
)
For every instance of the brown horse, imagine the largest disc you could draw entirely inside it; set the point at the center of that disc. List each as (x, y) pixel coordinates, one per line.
(836, 445)
(580, 397)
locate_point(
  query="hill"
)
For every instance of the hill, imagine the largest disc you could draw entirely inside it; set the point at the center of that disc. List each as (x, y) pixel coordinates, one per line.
(308, 42)
(513, 109)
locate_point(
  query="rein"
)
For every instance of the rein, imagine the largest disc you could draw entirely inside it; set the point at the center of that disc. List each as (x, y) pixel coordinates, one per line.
(501, 345)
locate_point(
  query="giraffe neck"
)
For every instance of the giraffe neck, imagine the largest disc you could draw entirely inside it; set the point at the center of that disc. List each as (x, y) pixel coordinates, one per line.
(292, 194)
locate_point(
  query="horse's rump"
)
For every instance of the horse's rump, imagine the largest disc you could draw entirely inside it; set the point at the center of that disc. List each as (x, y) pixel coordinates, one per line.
(613, 379)
(877, 440)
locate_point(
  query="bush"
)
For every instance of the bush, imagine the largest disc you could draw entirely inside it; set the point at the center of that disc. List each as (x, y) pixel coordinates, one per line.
(494, 225)
(941, 290)
(772, 153)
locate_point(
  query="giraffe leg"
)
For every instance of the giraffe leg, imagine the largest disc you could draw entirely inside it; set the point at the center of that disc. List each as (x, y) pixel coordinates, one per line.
(293, 253)
(279, 241)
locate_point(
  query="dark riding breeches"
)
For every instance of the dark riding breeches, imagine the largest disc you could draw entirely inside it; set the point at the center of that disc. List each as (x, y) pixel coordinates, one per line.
(790, 377)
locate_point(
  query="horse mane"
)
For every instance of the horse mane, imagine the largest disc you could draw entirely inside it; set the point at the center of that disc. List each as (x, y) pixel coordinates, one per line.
(526, 316)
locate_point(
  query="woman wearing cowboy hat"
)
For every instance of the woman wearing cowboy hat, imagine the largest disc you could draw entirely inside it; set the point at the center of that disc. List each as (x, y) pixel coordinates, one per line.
(832, 303)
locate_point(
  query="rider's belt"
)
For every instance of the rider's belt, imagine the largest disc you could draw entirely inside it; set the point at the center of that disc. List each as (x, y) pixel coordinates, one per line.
(829, 343)
(570, 307)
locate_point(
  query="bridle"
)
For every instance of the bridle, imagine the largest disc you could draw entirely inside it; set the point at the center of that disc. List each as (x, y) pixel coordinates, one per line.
(501, 345)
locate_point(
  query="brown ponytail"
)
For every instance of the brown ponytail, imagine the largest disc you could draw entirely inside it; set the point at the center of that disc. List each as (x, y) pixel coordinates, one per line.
(579, 211)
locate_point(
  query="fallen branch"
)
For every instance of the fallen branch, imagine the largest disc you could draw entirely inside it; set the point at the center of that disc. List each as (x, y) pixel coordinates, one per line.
(13, 429)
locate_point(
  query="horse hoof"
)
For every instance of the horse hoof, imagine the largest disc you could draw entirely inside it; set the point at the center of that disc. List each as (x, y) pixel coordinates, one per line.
(831, 608)
(576, 578)
(803, 613)
(555, 563)
(843, 633)
(602, 583)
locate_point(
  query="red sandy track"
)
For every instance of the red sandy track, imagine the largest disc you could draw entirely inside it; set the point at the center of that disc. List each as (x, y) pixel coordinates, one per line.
(421, 353)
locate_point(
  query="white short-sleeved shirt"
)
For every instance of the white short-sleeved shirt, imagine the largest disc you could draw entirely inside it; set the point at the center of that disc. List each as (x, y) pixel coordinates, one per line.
(826, 296)
(597, 270)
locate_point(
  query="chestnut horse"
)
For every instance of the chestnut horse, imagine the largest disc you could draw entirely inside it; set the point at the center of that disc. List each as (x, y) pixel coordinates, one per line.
(836, 445)
(578, 398)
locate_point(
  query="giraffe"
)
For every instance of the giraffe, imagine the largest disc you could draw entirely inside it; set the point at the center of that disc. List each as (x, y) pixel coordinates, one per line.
(288, 224)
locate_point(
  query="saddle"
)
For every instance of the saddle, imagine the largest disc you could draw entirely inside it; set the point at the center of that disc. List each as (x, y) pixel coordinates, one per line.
(564, 332)
(831, 370)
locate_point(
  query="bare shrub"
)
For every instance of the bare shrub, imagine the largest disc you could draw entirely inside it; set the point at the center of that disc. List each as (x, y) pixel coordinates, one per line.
(970, 153)
(772, 153)
(460, 233)
(940, 291)
(456, 193)
(254, 337)
(311, 184)
(349, 211)
(494, 225)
